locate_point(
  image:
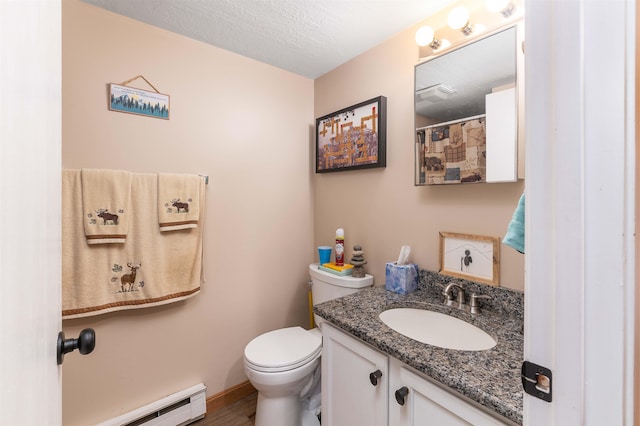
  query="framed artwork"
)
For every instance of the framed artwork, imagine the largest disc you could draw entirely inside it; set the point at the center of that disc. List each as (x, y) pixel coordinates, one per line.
(452, 152)
(470, 257)
(137, 101)
(352, 138)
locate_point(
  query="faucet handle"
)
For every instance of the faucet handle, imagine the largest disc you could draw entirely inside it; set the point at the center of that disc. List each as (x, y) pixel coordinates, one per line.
(474, 305)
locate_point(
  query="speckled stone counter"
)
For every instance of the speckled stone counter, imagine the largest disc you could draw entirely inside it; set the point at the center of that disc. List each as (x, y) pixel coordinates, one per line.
(490, 378)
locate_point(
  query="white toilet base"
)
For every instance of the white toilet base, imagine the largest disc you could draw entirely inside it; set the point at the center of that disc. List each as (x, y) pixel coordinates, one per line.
(285, 411)
(279, 394)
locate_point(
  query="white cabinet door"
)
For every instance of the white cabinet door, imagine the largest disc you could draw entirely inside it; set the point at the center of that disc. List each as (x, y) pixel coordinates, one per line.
(426, 403)
(348, 396)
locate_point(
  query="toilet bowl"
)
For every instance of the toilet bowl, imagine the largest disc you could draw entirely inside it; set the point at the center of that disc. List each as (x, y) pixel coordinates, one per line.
(280, 364)
(284, 365)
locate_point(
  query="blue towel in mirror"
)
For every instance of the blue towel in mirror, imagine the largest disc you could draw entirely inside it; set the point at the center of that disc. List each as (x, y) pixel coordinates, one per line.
(515, 231)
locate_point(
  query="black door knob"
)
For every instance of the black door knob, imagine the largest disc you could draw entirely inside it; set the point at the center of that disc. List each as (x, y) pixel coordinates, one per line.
(374, 377)
(85, 343)
(401, 394)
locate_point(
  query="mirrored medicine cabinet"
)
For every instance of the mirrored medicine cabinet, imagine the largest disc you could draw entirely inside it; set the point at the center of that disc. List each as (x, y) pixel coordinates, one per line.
(469, 111)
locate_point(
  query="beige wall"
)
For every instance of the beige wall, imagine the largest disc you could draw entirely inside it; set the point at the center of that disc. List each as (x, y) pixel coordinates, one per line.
(245, 124)
(381, 208)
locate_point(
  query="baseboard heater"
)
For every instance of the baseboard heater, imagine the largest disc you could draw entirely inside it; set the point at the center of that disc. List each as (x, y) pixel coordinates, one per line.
(177, 409)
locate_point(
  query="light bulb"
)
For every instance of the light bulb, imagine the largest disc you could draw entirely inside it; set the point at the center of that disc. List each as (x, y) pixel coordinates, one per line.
(458, 18)
(424, 35)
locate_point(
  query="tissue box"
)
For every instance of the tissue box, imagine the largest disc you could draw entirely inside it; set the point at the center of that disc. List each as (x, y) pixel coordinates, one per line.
(401, 279)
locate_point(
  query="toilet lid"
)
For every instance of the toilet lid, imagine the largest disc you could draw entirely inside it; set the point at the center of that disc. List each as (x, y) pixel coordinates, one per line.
(283, 349)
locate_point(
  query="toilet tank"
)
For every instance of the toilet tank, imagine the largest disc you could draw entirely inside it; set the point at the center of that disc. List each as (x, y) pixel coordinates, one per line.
(327, 286)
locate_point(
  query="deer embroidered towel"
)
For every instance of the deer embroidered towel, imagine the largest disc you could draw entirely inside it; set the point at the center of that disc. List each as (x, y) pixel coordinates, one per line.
(178, 201)
(106, 197)
(152, 268)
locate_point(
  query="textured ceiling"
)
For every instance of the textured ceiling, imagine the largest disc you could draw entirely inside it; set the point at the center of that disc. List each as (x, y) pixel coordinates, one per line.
(306, 37)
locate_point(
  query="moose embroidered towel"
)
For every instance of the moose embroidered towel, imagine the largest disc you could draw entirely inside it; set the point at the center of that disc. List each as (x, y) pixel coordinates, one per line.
(152, 268)
(106, 197)
(178, 201)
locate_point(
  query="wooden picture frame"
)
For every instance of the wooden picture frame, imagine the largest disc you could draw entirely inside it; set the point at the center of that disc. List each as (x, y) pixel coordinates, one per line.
(352, 138)
(470, 257)
(137, 101)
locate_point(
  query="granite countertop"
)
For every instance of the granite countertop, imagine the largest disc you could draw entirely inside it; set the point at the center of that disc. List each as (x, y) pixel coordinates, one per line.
(490, 378)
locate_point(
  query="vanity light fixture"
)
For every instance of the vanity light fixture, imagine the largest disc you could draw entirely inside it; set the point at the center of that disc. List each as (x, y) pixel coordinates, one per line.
(459, 20)
(425, 36)
(506, 7)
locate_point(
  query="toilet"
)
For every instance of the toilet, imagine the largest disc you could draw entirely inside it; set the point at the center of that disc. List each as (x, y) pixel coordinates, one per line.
(284, 365)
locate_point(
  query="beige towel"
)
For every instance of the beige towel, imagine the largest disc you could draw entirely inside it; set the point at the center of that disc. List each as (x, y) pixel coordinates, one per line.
(106, 197)
(178, 201)
(152, 268)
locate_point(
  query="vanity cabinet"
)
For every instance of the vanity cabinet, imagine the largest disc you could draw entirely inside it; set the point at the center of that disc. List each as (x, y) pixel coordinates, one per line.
(402, 396)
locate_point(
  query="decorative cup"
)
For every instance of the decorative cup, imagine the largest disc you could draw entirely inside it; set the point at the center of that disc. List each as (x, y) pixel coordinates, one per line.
(324, 253)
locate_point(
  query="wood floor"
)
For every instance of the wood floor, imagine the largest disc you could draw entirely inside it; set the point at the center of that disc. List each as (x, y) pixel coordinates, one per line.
(240, 413)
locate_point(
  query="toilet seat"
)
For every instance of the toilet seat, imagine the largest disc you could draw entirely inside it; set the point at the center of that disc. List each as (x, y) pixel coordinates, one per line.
(282, 350)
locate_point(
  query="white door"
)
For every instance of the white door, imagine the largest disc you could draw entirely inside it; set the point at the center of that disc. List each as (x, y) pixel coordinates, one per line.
(30, 152)
(579, 269)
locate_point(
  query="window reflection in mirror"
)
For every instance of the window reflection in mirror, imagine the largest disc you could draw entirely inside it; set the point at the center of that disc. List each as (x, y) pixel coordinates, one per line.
(466, 113)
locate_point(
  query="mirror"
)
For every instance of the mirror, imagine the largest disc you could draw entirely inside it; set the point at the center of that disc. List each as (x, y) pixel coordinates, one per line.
(466, 112)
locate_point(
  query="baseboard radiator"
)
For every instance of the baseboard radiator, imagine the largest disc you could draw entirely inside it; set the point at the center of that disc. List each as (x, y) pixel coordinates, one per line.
(177, 409)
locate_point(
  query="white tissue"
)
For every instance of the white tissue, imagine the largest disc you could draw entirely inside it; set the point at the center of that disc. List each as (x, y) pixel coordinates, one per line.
(403, 258)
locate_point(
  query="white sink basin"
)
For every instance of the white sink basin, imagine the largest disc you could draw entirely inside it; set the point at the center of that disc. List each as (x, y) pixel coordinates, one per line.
(436, 329)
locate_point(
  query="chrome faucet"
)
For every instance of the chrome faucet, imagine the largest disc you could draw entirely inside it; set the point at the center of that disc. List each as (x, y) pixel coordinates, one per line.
(449, 301)
(459, 302)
